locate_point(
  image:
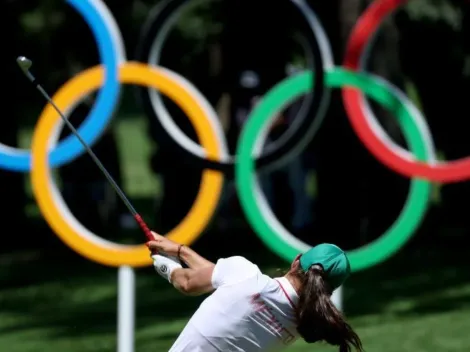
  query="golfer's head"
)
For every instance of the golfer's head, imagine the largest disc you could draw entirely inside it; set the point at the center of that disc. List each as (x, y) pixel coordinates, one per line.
(331, 259)
(320, 271)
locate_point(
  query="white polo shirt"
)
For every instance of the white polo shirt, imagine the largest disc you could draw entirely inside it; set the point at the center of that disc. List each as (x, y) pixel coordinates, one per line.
(247, 312)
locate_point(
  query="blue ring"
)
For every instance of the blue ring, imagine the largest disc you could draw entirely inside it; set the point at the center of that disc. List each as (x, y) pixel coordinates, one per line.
(101, 114)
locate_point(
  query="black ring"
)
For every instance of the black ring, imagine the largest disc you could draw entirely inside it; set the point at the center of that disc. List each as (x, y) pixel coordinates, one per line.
(302, 133)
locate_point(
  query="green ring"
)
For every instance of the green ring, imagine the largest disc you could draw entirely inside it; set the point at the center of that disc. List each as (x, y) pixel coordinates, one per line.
(254, 204)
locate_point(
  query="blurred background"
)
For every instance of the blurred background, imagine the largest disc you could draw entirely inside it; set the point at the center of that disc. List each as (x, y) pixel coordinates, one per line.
(51, 298)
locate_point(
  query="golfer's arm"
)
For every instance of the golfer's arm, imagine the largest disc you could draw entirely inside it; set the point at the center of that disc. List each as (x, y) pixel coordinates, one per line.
(193, 282)
(192, 259)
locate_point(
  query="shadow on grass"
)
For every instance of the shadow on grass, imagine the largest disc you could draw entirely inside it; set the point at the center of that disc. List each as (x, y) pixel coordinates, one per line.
(86, 303)
(414, 282)
(73, 297)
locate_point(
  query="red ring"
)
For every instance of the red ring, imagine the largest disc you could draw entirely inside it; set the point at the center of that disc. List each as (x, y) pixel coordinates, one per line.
(367, 24)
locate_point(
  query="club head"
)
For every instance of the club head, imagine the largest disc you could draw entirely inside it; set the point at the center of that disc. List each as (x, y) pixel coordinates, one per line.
(24, 63)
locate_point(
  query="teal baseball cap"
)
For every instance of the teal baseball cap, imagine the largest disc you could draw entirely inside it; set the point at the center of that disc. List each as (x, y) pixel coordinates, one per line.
(333, 259)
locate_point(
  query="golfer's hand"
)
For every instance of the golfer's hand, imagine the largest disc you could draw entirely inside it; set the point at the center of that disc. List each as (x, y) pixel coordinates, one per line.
(163, 244)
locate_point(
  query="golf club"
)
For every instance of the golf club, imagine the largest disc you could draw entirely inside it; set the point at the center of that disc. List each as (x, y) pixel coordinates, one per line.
(25, 65)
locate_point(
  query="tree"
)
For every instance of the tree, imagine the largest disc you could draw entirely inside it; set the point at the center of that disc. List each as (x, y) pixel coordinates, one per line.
(434, 52)
(12, 183)
(352, 186)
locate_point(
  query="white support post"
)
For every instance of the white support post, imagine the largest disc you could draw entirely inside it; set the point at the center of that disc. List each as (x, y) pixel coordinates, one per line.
(126, 309)
(337, 298)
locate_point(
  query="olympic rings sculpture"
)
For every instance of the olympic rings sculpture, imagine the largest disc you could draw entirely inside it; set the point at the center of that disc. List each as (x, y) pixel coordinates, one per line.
(155, 32)
(418, 163)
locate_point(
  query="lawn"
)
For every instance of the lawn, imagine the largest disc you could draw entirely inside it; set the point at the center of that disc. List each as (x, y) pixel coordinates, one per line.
(424, 309)
(418, 301)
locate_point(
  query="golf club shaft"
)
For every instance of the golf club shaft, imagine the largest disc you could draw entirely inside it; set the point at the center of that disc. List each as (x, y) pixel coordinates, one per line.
(97, 161)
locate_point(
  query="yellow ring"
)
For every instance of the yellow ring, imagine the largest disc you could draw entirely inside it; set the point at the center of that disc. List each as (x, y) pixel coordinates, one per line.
(50, 201)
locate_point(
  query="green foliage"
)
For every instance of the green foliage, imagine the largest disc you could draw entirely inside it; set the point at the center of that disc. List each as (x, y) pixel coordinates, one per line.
(435, 11)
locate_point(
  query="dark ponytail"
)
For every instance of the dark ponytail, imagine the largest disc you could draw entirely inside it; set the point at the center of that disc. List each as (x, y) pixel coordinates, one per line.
(317, 317)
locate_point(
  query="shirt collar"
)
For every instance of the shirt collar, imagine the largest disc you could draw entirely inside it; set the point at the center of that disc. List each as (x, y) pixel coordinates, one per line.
(289, 290)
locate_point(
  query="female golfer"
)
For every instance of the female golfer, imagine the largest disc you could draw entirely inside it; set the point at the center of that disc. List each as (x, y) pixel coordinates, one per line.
(249, 311)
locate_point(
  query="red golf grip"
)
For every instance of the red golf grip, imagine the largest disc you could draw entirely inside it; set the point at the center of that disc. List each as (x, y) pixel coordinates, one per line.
(144, 227)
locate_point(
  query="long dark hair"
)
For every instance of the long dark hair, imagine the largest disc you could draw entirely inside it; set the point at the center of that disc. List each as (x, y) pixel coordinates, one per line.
(317, 317)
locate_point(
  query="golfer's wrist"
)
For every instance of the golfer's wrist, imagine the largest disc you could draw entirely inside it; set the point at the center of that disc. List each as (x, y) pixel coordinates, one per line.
(182, 252)
(178, 251)
(187, 256)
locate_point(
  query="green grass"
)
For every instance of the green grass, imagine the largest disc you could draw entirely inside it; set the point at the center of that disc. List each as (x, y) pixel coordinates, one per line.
(425, 308)
(135, 156)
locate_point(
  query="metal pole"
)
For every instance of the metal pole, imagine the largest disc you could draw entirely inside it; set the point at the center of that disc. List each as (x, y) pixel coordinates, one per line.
(337, 298)
(126, 309)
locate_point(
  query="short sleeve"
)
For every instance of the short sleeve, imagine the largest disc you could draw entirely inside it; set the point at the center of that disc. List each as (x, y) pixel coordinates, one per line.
(229, 271)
